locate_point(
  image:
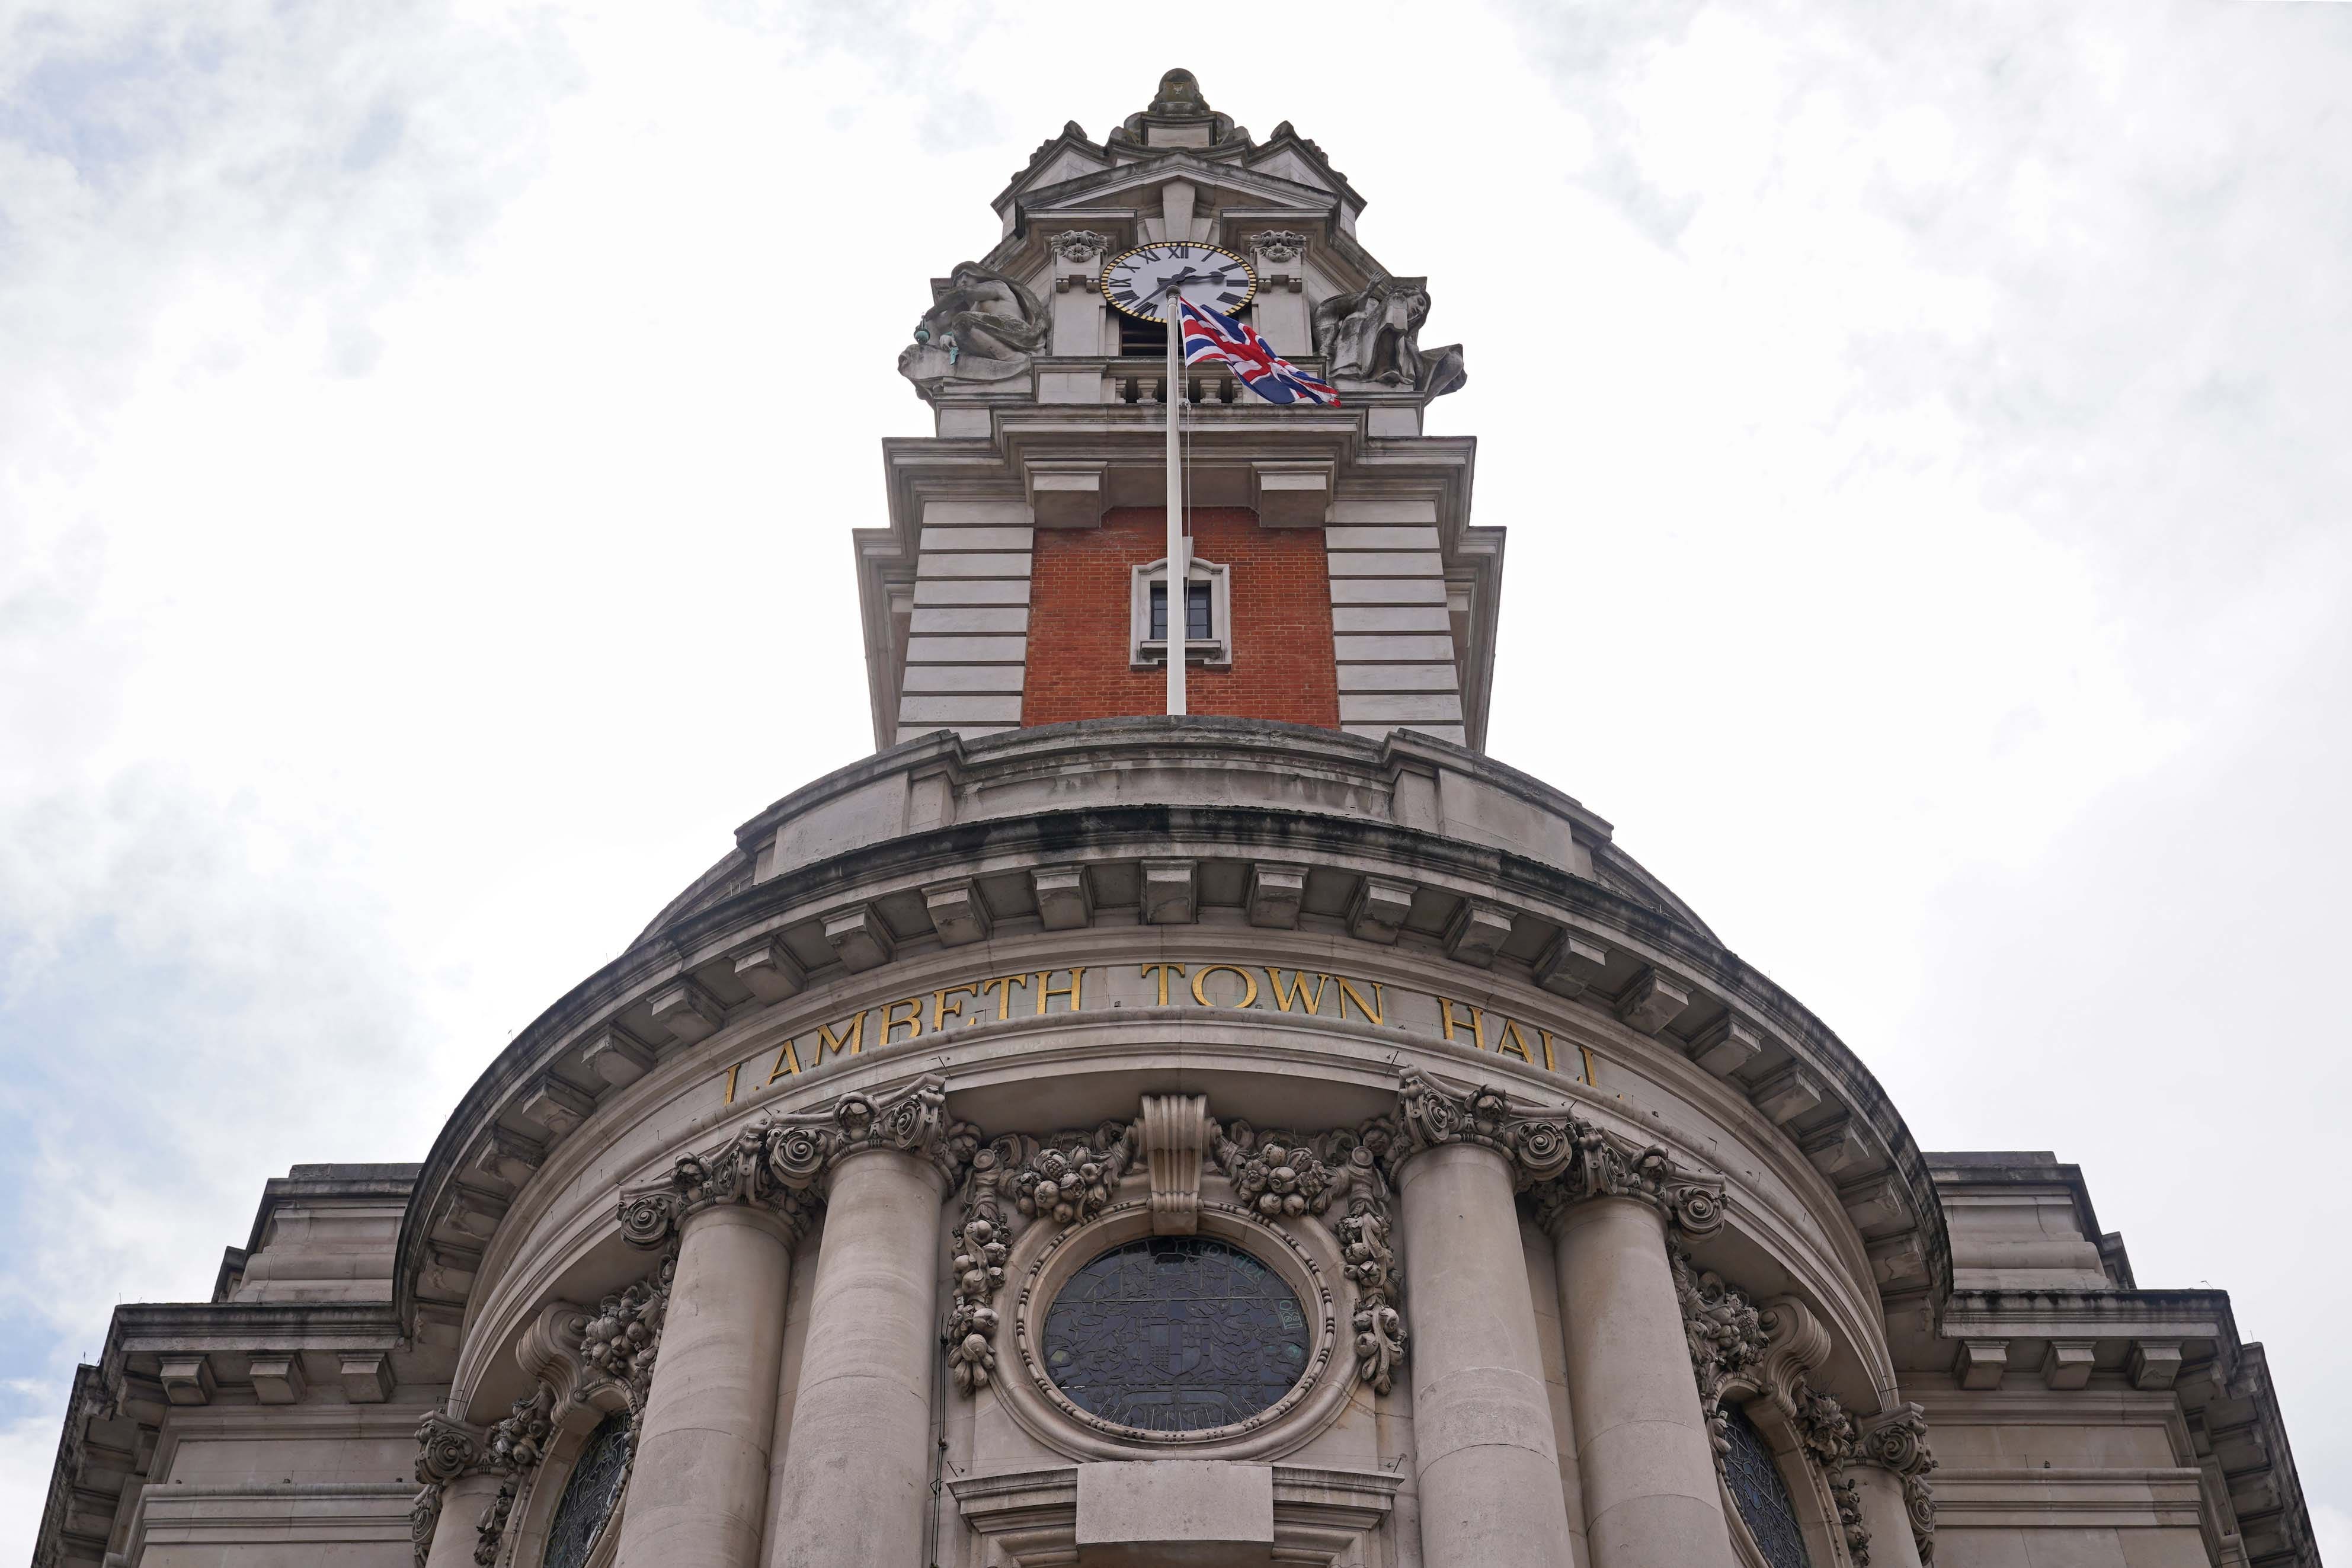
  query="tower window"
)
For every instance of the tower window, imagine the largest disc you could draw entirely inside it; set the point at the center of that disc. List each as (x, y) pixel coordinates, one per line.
(1208, 614)
(1197, 619)
(1142, 339)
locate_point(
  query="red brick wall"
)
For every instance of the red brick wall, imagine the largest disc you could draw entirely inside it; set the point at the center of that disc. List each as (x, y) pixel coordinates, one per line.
(1078, 595)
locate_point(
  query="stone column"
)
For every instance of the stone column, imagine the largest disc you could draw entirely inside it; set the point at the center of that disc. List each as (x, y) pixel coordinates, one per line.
(1488, 1469)
(1898, 1505)
(856, 1479)
(698, 1488)
(1885, 1515)
(1651, 1497)
(463, 1502)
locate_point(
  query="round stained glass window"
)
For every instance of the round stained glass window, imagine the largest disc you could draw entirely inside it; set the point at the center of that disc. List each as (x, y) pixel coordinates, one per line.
(1175, 1333)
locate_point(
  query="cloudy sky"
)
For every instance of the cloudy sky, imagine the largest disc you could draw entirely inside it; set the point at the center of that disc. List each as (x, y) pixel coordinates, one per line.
(429, 435)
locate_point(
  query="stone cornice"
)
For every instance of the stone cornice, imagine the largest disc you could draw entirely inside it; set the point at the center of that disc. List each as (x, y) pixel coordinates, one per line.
(547, 1059)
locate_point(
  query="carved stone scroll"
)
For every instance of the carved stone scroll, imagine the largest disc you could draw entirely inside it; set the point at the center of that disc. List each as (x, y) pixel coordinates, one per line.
(1726, 1338)
(1176, 1131)
(1079, 244)
(1898, 1442)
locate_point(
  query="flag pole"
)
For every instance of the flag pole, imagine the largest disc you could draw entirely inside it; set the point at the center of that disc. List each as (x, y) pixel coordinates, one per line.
(1179, 560)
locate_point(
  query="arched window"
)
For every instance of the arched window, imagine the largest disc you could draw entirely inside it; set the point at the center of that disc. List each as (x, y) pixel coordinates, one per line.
(1753, 1478)
(586, 1506)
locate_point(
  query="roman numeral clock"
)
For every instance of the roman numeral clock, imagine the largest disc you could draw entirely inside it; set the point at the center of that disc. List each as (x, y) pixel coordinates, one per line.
(1141, 281)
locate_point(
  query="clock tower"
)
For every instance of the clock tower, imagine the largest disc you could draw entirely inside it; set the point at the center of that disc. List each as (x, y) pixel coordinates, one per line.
(1334, 576)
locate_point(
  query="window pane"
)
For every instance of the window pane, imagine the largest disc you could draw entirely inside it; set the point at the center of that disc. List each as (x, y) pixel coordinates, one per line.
(1196, 611)
(1159, 611)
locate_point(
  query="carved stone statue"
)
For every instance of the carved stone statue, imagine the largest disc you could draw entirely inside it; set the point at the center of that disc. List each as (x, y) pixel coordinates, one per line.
(1375, 335)
(984, 326)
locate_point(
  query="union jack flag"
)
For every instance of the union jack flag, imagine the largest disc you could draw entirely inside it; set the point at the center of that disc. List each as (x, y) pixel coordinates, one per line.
(1210, 336)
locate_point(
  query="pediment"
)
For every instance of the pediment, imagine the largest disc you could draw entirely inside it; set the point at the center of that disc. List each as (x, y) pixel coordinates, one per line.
(1233, 186)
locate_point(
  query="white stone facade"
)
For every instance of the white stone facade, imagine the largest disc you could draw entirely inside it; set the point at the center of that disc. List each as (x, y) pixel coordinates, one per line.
(1580, 1213)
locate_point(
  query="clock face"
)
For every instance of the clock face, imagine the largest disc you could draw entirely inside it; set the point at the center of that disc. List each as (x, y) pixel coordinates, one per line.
(1144, 281)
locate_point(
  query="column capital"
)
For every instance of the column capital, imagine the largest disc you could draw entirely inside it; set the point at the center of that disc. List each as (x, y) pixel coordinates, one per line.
(1556, 1155)
(1896, 1441)
(780, 1163)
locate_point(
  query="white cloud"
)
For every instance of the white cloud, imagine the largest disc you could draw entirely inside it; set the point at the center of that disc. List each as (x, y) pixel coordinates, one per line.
(427, 440)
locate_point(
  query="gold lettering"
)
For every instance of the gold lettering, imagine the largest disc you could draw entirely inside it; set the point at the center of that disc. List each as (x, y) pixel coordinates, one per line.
(913, 1020)
(788, 1064)
(1549, 1065)
(1587, 1053)
(1510, 1042)
(941, 1012)
(826, 1040)
(1286, 997)
(1161, 970)
(1201, 990)
(1447, 1012)
(1046, 990)
(731, 1080)
(1347, 992)
(1003, 985)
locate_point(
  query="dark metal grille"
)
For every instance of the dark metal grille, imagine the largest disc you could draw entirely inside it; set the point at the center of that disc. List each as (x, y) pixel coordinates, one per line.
(589, 1495)
(1765, 1506)
(1175, 1333)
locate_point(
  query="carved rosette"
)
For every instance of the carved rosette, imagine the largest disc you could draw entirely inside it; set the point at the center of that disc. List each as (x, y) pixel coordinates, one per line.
(779, 1162)
(1898, 1443)
(1079, 244)
(1278, 244)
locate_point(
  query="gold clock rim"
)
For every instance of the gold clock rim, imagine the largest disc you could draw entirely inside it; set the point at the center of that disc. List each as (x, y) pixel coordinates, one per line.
(1102, 281)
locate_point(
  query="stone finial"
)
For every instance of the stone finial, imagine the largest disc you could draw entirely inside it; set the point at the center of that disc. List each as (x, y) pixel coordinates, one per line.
(1178, 95)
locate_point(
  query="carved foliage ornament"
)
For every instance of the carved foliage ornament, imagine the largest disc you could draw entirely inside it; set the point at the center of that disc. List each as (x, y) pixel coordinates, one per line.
(1069, 1178)
(1736, 1351)
(779, 1162)
(1079, 244)
(623, 1337)
(1336, 1176)
(1278, 244)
